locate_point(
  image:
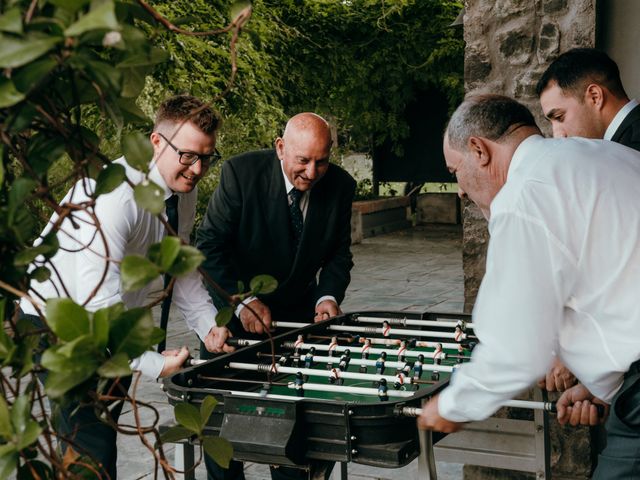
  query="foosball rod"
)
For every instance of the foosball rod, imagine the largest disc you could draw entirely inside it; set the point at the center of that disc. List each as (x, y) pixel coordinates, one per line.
(335, 373)
(414, 322)
(320, 387)
(240, 380)
(529, 404)
(374, 351)
(372, 363)
(405, 332)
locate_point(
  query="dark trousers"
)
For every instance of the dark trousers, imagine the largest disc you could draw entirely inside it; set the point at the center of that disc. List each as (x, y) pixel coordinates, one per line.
(620, 459)
(318, 470)
(81, 428)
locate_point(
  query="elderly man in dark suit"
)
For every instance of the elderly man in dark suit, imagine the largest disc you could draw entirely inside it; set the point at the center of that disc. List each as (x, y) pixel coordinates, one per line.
(286, 213)
(582, 96)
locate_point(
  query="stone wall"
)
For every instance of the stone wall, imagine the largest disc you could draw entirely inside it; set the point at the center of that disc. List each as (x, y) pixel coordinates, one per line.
(509, 43)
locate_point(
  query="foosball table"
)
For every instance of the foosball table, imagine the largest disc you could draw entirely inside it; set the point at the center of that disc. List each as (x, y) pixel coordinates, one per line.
(343, 390)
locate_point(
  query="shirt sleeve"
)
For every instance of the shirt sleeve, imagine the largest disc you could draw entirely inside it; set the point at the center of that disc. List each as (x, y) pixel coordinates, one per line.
(517, 316)
(149, 363)
(193, 300)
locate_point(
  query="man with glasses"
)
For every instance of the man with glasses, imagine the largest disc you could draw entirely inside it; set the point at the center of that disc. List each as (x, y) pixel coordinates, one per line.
(286, 213)
(183, 140)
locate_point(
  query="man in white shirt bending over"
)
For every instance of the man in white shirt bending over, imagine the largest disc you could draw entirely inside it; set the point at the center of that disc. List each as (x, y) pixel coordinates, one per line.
(183, 139)
(563, 267)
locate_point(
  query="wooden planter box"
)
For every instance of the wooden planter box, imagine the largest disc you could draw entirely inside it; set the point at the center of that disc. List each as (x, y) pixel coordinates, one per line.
(382, 215)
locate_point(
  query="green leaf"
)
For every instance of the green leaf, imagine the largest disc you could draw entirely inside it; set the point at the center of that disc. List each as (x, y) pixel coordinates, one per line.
(240, 286)
(149, 196)
(1, 164)
(206, 409)
(40, 274)
(175, 434)
(30, 434)
(132, 332)
(6, 429)
(17, 51)
(67, 319)
(189, 258)
(9, 95)
(116, 366)
(188, 416)
(33, 74)
(219, 449)
(130, 111)
(145, 59)
(8, 460)
(20, 190)
(20, 413)
(238, 7)
(59, 383)
(108, 77)
(101, 322)
(224, 316)
(25, 257)
(11, 21)
(165, 253)
(157, 335)
(263, 284)
(102, 16)
(109, 178)
(7, 347)
(54, 361)
(138, 151)
(136, 272)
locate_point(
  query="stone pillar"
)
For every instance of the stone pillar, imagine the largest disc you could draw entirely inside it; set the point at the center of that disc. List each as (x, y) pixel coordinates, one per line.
(509, 43)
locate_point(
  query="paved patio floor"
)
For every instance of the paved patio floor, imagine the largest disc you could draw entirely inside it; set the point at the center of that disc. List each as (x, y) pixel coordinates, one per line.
(409, 270)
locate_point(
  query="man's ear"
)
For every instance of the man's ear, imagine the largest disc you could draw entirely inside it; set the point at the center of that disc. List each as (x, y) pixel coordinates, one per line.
(479, 148)
(594, 95)
(154, 138)
(279, 147)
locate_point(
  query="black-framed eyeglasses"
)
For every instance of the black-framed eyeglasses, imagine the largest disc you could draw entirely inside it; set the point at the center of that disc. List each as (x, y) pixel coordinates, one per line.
(190, 158)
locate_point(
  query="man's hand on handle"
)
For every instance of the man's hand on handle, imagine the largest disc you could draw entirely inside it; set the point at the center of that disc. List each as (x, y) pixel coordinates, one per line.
(250, 322)
(430, 419)
(577, 406)
(559, 378)
(326, 309)
(215, 340)
(173, 361)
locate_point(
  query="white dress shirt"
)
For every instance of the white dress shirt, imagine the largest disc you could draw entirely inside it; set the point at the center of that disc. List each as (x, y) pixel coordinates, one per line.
(563, 272)
(619, 118)
(128, 229)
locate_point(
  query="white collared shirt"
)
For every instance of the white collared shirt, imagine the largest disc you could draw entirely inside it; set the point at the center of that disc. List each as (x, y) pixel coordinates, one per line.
(128, 229)
(619, 118)
(562, 276)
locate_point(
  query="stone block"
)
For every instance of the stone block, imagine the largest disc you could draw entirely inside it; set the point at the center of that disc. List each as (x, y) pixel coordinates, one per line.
(477, 65)
(516, 45)
(548, 42)
(553, 6)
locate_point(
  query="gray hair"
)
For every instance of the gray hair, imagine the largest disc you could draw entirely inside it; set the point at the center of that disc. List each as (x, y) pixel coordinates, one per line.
(489, 116)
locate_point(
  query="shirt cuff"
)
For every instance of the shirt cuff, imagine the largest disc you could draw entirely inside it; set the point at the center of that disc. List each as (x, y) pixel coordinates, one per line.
(149, 363)
(203, 326)
(326, 297)
(241, 306)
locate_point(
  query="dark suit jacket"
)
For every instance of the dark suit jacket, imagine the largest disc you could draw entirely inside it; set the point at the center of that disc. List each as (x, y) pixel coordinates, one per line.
(247, 232)
(628, 133)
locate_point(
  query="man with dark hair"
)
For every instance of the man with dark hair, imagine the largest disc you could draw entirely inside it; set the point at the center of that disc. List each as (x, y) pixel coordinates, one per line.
(183, 140)
(562, 266)
(286, 213)
(582, 95)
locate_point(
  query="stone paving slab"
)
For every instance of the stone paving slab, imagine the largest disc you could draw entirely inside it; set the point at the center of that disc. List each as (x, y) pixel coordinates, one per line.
(416, 269)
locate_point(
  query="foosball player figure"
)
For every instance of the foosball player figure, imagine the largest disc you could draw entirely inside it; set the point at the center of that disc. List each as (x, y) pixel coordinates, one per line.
(380, 363)
(283, 360)
(308, 357)
(402, 351)
(417, 367)
(400, 381)
(383, 394)
(333, 345)
(435, 375)
(344, 360)
(406, 370)
(297, 348)
(460, 354)
(266, 388)
(365, 354)
(386, 328)
(459, 335)
(299, 384)
(438, 354)
(335, 377)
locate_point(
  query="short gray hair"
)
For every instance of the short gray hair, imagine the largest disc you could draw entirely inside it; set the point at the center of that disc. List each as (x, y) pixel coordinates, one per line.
(488, 116)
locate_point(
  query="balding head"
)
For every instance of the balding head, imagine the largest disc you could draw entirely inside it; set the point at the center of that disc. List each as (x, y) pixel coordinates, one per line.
(304, 149)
